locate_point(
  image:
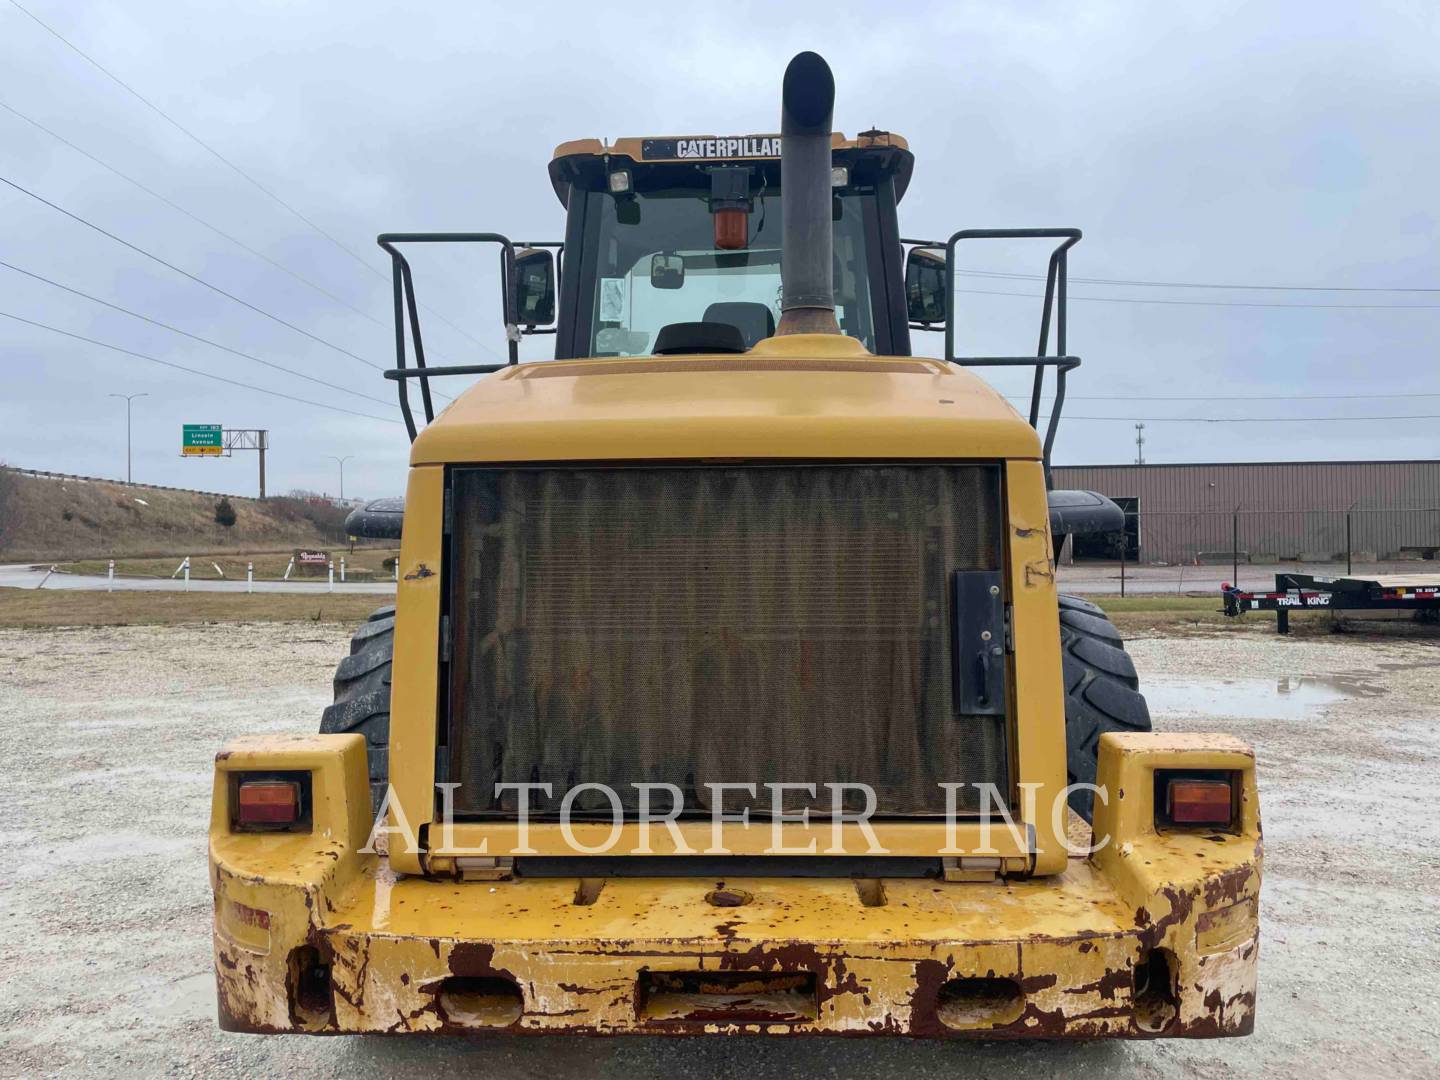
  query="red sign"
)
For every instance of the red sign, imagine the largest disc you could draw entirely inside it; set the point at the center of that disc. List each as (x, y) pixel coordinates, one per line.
(312, 558)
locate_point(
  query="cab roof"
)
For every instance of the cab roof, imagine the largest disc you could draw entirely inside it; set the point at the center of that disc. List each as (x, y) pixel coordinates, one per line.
(579, 157)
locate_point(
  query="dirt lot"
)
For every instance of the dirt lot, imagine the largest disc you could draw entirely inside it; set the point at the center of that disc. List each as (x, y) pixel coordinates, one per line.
(106, 745)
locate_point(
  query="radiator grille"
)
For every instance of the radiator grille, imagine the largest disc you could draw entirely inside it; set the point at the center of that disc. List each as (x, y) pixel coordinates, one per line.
(716, 625)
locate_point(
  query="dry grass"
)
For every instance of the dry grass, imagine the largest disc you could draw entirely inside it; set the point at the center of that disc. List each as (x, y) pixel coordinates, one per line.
(1136, 617)
(52, 519)
(47, 607)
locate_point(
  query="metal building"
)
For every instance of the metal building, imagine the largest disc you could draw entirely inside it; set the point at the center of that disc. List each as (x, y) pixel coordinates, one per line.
(1268, 511)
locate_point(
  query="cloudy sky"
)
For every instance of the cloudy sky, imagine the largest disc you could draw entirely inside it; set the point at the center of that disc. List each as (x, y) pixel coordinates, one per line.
(1244, 144)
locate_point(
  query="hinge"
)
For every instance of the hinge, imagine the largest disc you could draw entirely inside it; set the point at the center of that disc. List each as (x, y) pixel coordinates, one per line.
(972, 868)
(1009, 629)
(447, 514)
(485, 867)
(444, 639)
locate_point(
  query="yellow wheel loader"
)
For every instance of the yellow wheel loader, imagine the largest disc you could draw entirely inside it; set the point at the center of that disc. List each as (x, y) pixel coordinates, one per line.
(727, 689)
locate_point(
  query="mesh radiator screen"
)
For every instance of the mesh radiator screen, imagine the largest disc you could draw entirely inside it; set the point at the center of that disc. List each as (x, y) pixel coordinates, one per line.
(716, 625)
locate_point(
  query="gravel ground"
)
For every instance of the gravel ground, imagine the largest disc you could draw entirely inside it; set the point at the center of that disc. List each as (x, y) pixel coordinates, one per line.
(106, 746)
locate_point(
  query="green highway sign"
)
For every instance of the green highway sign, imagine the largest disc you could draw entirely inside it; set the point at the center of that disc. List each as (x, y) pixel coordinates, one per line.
(202, 440)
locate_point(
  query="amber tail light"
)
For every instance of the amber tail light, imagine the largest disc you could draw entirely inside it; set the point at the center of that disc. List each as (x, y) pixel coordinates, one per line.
(270, 802)
(732, 229)
(1195, 797)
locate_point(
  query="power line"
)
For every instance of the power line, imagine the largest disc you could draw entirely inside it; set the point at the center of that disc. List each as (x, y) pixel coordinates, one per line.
(193, 217)
(1229, 397)
(187, 274)
(1202, 303)
(1205, 285)
(188, 133)
(197, 371)
(1244, 419)
(199, 220)
(226, 161)
(193, 337)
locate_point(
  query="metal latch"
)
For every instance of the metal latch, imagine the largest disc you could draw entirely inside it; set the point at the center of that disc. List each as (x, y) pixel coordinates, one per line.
(972, 867)
(485, 867)
(980, 642)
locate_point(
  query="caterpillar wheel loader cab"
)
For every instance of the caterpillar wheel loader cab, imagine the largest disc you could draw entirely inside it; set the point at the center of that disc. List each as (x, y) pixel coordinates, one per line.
(727, 688)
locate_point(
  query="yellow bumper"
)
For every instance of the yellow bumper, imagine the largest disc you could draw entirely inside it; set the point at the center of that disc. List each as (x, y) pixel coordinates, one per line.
(1156, 935)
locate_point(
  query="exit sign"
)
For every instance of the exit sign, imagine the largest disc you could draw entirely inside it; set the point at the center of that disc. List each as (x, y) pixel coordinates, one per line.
(202, 440)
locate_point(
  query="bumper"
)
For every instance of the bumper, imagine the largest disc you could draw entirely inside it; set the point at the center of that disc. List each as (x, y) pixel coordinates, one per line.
(1154, 936)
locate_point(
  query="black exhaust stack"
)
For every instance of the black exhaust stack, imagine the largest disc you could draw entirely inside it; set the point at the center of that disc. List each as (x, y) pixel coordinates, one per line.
(807, 304)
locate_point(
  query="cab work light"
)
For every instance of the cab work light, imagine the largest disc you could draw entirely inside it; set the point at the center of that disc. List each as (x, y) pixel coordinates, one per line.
(1195, 797)
(270, 802)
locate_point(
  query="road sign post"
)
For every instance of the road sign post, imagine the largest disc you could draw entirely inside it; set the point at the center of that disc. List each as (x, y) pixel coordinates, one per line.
(215, 440)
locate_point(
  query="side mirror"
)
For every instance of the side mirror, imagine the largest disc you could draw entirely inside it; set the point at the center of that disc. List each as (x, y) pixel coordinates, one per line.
(927, 291)
(667, 271)
(627, 210)
(535, 287)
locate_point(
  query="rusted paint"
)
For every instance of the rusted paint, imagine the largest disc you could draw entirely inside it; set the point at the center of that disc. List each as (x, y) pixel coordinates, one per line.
(1070, 943)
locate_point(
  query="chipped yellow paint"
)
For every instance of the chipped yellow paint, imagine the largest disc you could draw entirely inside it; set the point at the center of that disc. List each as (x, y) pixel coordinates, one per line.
(756, 836)
(1069, 943)
(1039, 706)
(313, 934)
(415, 672)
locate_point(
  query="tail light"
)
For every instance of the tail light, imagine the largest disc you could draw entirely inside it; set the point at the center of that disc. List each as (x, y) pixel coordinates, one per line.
(270, 802)
(1195, 797)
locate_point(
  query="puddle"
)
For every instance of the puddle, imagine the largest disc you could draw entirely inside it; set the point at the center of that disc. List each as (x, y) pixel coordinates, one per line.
(1289, 697)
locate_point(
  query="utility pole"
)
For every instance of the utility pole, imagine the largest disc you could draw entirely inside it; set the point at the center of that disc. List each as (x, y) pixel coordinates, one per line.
(1139, 444)
(341, 462)
(128, 398)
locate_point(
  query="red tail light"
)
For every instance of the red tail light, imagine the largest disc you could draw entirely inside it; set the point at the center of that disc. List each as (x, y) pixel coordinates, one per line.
(1196, 801)
(267, 804)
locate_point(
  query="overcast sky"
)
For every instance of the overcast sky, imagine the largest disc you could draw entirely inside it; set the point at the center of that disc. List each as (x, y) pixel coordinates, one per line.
(1253, 144)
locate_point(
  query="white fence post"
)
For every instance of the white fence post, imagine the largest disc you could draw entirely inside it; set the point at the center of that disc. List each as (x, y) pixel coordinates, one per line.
(110, 577)
(187, 574)
(331, 587)
(397, 568)
(288, 567)
(249, 577)
(342, 567)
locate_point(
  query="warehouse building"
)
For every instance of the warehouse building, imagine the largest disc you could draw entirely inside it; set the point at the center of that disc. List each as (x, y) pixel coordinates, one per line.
(1264, 512)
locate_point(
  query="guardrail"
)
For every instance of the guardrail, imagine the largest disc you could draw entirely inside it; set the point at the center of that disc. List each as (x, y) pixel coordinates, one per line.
(45, 474)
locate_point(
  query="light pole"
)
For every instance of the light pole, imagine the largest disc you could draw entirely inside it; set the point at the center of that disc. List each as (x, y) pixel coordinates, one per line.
(341, 462)
(128, 398)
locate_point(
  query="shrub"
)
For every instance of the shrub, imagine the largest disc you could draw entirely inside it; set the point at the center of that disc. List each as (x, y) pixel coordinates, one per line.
(224, 513)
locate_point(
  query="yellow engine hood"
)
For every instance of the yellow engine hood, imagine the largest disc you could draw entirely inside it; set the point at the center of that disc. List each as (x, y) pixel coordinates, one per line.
(801, 396)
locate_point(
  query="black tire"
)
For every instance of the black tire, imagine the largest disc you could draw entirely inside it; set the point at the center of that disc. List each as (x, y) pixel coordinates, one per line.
(1102, 692)
(362, 695)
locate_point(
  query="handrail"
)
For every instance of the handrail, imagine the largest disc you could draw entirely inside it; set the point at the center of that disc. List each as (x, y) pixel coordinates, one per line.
(1056, 283)
(403, 288)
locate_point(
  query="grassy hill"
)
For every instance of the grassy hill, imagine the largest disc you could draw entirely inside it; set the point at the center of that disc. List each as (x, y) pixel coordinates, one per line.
(52, 518)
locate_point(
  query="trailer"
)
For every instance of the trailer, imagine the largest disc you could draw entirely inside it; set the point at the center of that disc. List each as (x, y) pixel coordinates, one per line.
(1419, 593)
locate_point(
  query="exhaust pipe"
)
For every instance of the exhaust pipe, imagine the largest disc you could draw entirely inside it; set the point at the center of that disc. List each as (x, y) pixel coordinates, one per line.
(807, 298)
